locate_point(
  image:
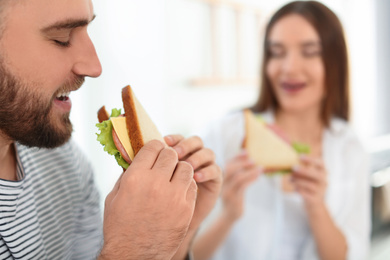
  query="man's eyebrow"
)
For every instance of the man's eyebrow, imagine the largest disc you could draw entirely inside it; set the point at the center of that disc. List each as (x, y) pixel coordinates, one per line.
(68, 24)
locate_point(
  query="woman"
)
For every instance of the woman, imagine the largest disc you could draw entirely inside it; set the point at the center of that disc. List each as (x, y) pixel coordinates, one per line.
(304, 92)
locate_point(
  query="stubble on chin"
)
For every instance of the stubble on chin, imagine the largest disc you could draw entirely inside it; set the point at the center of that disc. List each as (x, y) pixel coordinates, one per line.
(28, 117)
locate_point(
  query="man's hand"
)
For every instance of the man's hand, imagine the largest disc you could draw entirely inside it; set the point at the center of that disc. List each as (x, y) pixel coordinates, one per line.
(148, 212)
(207, 174)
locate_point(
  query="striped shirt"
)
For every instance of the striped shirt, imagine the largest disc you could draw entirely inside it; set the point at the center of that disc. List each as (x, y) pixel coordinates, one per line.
(52, 211)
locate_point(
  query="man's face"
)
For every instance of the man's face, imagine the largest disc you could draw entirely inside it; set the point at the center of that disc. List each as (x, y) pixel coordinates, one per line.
(45, 53)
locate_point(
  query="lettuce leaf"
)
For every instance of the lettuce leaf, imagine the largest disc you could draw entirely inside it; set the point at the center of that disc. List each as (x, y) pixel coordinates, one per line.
(105, 138)
(279, 172)
(260, 118)
(115, 112)
(301, 148)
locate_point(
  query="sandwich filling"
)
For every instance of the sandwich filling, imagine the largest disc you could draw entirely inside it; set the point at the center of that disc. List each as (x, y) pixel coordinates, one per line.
(121, 138)
(124, 135)
(113, 129)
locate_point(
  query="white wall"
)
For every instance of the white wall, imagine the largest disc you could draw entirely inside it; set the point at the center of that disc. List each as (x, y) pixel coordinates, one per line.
(130, 39)
(158, 46)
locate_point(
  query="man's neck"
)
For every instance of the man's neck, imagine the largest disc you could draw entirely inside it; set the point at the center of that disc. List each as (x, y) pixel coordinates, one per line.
(7, 159)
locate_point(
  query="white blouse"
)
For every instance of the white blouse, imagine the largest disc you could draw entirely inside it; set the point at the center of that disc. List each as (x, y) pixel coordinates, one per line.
(274, 224)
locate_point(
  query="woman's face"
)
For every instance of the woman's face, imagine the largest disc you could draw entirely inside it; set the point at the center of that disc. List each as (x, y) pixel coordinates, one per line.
(295, 68)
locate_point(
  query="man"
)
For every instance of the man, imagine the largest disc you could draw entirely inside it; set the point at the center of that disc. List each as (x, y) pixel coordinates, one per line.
(48, 201)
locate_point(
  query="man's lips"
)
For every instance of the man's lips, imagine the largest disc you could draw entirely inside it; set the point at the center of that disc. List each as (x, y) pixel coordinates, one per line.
(63, 101)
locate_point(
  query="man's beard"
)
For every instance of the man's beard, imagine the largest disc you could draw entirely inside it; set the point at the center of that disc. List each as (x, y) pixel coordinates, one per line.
(26, 117)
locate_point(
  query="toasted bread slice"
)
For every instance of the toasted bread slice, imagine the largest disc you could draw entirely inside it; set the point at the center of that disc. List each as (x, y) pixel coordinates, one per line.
(103, 114)
(140, 127)
(266, 148)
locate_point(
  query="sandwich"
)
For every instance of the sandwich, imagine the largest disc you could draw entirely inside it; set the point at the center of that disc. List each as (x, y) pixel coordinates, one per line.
(268, 147)
(123, 135)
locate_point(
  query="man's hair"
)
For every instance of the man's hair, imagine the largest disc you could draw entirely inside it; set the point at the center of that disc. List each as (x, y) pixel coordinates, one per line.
(334, 57)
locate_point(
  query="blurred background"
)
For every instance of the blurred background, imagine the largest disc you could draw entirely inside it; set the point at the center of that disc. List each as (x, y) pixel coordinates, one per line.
(191, 61)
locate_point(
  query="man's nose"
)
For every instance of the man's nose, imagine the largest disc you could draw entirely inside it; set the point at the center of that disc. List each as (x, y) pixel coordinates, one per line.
(87, 62)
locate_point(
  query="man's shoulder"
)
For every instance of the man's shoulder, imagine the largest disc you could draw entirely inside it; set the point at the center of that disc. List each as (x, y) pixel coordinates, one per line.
(67, 151)
(67, 159)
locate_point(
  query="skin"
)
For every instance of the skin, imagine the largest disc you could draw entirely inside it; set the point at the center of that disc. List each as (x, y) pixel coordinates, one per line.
(165, 224)
(295, 60)
(158, 203)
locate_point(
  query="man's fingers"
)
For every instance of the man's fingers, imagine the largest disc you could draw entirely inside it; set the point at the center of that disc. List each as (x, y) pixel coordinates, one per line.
(172, 140)
(188, 146)
(211, 172)
(203, 157)
(192, 191)
(146, 157)
(183, 174)
(166, 163)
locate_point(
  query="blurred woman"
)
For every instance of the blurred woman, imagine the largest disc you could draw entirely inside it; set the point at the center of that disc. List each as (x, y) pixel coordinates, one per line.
(304, 92)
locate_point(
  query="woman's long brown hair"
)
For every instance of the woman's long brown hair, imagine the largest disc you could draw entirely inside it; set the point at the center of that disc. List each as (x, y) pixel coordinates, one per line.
(334, 56)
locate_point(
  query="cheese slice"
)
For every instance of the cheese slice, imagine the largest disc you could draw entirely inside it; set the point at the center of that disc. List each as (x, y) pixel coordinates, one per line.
(265, 147)
(119, 125)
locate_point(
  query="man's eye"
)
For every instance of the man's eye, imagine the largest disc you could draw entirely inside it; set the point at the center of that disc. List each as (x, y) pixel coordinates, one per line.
(62, 44)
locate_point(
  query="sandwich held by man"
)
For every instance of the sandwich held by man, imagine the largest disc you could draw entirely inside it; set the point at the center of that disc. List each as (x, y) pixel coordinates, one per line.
(49, 204)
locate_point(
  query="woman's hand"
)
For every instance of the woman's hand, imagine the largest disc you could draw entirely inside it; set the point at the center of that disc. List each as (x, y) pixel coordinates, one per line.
(310, 180)
(240, 171)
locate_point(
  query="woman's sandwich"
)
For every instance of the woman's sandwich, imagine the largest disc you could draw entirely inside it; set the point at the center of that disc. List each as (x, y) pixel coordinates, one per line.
(268, 147)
